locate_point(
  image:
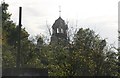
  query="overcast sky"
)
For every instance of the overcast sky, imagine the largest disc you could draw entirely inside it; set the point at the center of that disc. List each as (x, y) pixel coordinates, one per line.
(98, 15)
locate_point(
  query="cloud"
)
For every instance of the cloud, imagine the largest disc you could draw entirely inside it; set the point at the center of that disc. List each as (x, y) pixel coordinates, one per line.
(105, 26)
(100, 16)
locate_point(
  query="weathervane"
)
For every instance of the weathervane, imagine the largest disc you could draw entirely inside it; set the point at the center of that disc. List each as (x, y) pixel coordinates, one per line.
(59, 11)
(2, 1)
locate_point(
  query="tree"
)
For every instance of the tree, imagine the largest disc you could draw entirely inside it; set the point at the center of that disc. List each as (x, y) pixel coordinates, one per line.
(7, 26)
(87, 55)
(93, 55)
(10, 41)
(118, 63)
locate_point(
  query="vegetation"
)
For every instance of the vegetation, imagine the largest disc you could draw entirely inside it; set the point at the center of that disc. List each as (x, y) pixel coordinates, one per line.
(86, 55)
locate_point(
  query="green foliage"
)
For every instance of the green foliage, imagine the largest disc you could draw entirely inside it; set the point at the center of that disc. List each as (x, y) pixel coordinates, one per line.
(8, 56)
(7, 50)
(84, 56)
(10, 40)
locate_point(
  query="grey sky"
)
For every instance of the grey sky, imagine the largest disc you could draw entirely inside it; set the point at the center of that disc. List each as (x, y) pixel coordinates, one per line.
(99, 15)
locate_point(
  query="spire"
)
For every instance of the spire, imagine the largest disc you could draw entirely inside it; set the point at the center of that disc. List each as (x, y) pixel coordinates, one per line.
(2, 1)
(59, 11)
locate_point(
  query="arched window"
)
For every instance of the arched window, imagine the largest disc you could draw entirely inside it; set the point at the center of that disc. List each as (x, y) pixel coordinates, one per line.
(57, 30)
(62, 31)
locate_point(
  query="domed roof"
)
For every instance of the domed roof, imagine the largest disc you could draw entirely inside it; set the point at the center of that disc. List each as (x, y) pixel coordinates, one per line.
(59, 23)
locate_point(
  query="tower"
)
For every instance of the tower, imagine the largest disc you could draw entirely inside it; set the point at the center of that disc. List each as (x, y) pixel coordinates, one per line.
(59, 31)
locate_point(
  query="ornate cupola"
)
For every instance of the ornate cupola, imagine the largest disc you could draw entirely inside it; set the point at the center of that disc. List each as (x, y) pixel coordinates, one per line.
(59, 30)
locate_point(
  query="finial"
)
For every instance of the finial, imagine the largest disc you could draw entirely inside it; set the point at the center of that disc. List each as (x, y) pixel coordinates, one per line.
(59, 11)
(2, 1)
